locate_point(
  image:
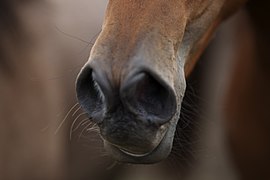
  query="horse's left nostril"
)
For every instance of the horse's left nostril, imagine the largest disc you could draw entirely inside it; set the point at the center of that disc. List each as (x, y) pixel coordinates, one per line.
(150, 98)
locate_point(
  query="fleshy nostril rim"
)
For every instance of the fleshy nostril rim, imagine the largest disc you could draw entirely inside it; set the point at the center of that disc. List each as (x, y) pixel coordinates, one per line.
(149, 97)
(89, 94)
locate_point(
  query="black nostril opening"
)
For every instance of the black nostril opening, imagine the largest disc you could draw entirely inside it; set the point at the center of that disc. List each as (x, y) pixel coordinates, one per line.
(151, 95)
(150, 98)
(89, 94)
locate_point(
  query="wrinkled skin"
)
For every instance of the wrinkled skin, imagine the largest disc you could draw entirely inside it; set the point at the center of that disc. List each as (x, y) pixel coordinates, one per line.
(134, 82)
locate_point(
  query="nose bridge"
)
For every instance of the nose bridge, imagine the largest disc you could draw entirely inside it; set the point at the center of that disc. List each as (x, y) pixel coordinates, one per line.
(142, 35)
(112, 56)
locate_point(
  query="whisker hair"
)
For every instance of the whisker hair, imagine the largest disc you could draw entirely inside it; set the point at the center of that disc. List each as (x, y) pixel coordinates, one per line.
(62, 122)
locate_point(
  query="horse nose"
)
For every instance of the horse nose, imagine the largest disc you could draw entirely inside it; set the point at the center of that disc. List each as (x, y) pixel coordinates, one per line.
(144, 94)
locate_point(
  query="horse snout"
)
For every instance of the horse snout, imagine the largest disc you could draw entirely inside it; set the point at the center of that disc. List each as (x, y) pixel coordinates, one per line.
(132, 115)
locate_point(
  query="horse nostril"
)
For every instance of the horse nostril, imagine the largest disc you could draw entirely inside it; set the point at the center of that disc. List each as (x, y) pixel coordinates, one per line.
(89, 94)
(150, 98)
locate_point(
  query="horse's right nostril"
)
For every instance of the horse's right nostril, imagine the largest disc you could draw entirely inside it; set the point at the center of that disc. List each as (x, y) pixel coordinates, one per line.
(150, 98)
(89, 94)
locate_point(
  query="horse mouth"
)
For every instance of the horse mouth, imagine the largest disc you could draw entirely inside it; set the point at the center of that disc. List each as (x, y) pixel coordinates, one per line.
(157, 154)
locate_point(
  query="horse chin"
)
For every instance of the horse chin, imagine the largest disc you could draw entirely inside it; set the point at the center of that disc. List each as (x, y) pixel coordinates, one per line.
(159, 153)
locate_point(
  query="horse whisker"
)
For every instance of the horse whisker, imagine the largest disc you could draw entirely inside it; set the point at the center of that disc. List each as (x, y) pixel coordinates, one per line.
(61, 124)
(73, 123)
(84, 129)
(71, 128)
(76, 111)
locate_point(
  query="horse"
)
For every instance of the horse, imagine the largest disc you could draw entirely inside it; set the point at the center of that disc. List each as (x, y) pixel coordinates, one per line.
(134, 82)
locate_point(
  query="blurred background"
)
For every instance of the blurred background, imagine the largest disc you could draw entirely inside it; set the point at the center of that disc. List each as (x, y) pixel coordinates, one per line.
(45, 135)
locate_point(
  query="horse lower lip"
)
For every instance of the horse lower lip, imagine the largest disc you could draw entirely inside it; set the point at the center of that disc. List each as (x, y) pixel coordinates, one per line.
(133, 154)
